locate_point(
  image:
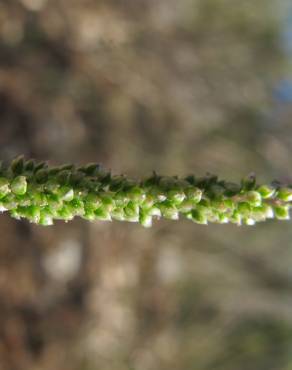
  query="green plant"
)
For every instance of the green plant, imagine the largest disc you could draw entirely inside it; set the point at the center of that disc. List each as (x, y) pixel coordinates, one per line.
(41, 194)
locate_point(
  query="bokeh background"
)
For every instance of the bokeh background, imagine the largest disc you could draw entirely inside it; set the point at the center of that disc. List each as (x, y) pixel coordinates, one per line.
(179, 87)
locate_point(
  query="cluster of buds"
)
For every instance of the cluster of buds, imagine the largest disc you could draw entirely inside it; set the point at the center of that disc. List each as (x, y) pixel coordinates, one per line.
(42, 194)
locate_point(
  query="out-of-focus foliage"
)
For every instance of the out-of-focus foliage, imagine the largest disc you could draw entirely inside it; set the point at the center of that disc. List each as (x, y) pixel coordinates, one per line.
(140, 85)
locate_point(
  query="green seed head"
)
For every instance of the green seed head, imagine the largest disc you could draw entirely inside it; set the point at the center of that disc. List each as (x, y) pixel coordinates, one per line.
(41, 194)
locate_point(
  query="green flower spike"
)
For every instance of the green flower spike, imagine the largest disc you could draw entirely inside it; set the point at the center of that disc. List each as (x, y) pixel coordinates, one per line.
(42, 194)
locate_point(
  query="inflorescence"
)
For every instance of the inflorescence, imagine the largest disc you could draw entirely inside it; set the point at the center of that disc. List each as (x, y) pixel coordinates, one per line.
(41, 194)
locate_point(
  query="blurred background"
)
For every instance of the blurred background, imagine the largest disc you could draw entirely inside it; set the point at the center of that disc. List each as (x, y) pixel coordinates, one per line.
(178, 87)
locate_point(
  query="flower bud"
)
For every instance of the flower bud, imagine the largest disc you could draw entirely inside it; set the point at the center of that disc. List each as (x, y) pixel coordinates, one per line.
(249, 221)
(4, 187)
(199, 217)
(253, 198)
(121, 199)
(42, 175)
(132, 211)
(145, 219)
(66, 193)
(45, 219)
(92, 201)
(248, 182)
(32, 213)
(194, 194)
(168, 210)
(285, 194)
(154, 211)
(266, 191)
(65, 214)
(148, 202)
(217, 190)
(222, 218)
(186, 206)
(17, 165)
(76, 206)
(176, 196)
(243, 208)
(29, 165)
(231, 188)
(282, 212)
(19, 185)
(136, 194)
(108, 203)
(267, 210)
(236, 218)
(118, 214)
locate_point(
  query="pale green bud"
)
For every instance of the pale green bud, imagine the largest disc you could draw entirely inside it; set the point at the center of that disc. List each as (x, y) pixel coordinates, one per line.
(19, 185)
(136, 194)
(66, 193)
(108, 203)
(236, 218)
(253, 198)
(154, 211)
(266, 210)
(45, 219)
(194, 194)
(145, 219)
(121, 199)
(168, 210)
(176, 196)
(222, 218)
(249, 221)
(92, 201)
(132, 212)
(118, 214)
(186, 206)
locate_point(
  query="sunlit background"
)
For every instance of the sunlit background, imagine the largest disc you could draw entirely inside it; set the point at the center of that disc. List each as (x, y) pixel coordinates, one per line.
(189, 86)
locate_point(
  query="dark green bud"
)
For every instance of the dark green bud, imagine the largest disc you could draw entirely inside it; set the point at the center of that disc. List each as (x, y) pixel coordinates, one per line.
(42, 175)
(248, 182)
(17, 165)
